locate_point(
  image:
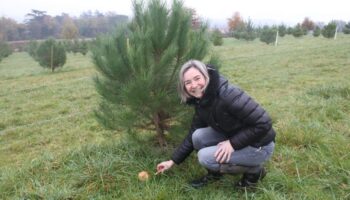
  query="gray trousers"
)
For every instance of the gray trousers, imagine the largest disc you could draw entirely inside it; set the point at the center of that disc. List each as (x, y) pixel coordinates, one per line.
(205, 141)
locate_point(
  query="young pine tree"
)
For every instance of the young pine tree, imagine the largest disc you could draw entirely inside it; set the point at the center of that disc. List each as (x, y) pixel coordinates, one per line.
(346, 29)
(282, 30)
(268, 35)
(5, 50)
(216, 37)
(51, 54)
(317, 32)
(329, 30)
(298, 31)
(249, 33)
(32, 48)
(139, 67)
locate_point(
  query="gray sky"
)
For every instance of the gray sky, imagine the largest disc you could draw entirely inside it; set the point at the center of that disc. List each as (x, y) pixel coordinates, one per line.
(274, 11)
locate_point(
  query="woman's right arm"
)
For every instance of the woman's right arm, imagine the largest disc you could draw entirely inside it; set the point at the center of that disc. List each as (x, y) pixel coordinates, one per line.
(163, 166)
(186, 147)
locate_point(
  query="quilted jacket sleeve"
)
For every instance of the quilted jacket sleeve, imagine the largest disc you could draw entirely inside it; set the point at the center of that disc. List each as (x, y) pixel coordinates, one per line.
(186, 148)
(255, 119)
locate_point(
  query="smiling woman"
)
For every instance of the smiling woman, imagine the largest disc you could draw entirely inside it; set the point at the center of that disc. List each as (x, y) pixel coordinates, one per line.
(231, 132)
(194, 80)
(65, 154)
(194, 83)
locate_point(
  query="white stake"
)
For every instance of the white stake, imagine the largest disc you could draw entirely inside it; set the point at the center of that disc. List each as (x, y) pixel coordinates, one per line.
(335, 34)
(276, 41)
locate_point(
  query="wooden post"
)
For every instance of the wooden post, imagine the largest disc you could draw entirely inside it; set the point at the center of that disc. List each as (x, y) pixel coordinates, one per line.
(276, 41)
(335, 34)
(51, 58)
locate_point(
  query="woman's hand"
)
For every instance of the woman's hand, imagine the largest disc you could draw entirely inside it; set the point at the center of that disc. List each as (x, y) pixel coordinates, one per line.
(163, 166)
(223, 154)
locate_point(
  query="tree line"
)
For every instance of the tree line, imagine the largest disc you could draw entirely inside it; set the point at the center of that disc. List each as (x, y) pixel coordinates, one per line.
(40, 25)
(245, 29)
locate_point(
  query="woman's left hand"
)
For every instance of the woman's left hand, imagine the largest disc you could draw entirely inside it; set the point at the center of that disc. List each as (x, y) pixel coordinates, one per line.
(224, 152)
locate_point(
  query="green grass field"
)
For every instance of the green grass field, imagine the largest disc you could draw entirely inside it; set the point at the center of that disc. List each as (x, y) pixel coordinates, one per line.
(51, 146)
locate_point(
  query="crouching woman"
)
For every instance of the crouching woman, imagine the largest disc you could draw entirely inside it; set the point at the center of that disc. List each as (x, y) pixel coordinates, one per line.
(230, 131)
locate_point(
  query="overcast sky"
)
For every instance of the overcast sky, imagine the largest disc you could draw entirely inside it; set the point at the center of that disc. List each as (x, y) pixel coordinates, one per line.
(276, 11)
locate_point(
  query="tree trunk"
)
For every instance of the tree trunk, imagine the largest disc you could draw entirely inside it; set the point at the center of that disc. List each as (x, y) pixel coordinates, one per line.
(157, 121)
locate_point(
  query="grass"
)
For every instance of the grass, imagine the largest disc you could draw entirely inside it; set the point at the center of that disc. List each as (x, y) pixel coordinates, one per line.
(51, 147)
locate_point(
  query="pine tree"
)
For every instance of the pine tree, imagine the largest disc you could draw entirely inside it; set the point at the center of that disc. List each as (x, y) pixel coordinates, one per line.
(5, 50)
(51, 54)
(245, 31)
(32, 48)
(298, 31)
(139, 65)
(307, 24)
(317, 32)
(329, 30)
(216, 37)
(282, 30)
(268, 35)
(346, 29)
(250, 31)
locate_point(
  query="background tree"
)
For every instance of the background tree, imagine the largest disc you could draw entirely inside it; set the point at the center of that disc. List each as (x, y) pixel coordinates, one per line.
(282, 30)
(298, 31)
(5, 50)
(268, 35)
(92, 24)
(69, 29)
(51, 54)
(32, 49)
(36, 24)
(77, 46)
(216, 37)
(340, 25)
(245, 31)
(239, 31)
(139, 66)
(307, 24)
(290, 30)
(235, 22)
(39, 25)
(249, 33)
(317, 32)
(346, 29)
(9, 29)
(329, 30)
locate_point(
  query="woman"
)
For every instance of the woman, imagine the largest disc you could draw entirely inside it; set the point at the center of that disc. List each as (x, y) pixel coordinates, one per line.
(230, 131)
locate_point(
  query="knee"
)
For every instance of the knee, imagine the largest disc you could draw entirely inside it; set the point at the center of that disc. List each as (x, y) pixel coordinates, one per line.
(197, 139)
(203, 158)
(207, 159)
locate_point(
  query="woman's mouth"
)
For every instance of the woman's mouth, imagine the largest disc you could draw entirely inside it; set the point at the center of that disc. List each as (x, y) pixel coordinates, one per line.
(197, 92)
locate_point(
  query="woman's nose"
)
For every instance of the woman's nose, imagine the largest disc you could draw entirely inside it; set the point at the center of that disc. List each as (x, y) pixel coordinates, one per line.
(194, 85)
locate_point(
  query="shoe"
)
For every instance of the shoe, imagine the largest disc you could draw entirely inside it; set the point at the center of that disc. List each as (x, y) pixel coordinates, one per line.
(204, 180)
(250, 180)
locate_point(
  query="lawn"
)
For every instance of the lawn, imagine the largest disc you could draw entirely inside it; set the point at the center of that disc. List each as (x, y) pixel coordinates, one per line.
(51, 146)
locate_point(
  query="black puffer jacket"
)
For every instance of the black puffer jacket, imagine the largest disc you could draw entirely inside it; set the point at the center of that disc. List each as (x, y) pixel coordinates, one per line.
(231, 111)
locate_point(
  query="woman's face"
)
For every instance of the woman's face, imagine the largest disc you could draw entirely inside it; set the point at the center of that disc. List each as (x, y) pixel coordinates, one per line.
(194, 82)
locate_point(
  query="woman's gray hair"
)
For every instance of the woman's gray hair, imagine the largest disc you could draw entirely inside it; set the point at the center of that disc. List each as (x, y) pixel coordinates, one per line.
(200, 66)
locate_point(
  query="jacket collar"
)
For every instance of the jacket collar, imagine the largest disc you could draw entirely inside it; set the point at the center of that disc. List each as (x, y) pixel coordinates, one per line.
(211, 90)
